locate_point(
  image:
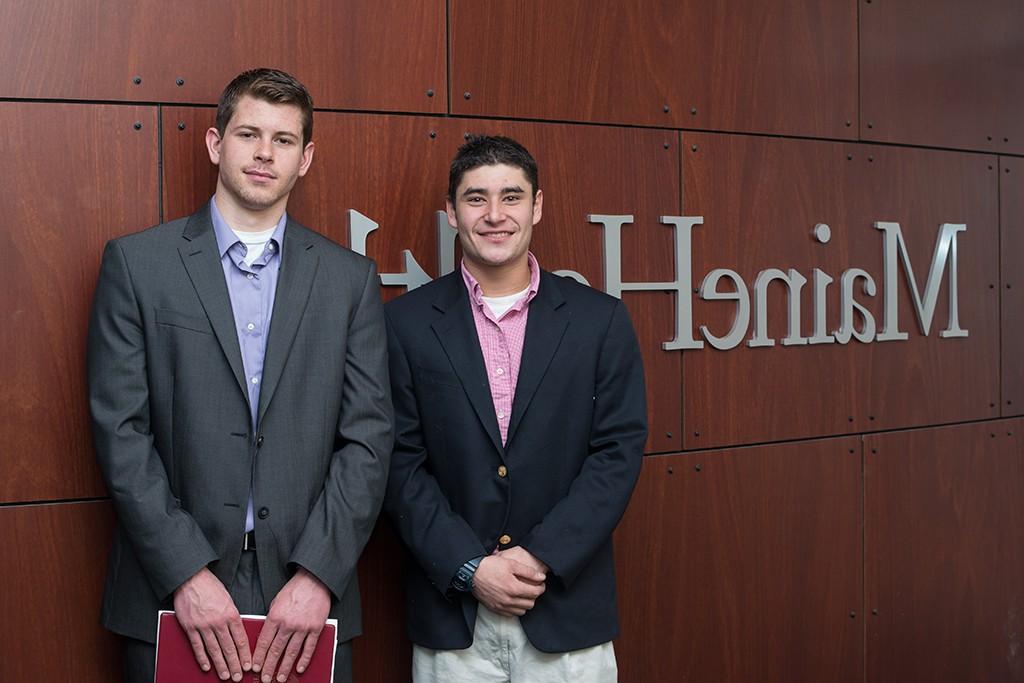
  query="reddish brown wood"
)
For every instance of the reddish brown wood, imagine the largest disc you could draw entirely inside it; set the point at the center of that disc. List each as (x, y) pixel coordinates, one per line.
(1011, 231)
(360, 54)
(393, 171)
(53, 569)
(83, 175)
(383, 653)
(943, 557)
(744, 65)
(943, 73)
(744, 565)
(760, 199)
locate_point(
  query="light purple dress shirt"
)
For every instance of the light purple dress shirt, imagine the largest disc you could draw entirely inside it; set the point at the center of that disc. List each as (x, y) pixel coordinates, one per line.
(252, 289)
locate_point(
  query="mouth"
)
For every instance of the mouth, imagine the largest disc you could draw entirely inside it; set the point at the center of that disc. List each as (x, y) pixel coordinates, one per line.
(259, 175)
(496, 235)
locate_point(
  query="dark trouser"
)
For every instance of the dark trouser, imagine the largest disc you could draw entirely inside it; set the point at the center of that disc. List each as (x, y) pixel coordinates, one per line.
(140, 656)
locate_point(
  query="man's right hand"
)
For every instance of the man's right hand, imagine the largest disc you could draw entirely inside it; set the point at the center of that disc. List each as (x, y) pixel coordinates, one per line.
(206, 612)
(506, 586)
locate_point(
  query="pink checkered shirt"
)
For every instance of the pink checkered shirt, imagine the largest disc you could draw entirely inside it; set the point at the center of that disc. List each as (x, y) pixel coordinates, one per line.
(501, 341)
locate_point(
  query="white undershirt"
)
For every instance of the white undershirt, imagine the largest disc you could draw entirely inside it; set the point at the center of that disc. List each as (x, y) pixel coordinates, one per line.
(499, 305)
(255, 243)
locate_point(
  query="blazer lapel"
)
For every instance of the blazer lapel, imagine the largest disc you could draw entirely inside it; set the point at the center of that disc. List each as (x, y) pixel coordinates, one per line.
(201, 259)
(295, 279)
(456, 330)
(545, 327)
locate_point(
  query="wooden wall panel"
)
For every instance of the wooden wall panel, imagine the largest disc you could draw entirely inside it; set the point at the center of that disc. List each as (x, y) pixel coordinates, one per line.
(761, 199)
(383, 654)
(53, 567)
(85, 175)
(778, 67)
(358, 54)
(394, 170)
(943, 73)
(1011, 224)
(943, 557)
(744, 565)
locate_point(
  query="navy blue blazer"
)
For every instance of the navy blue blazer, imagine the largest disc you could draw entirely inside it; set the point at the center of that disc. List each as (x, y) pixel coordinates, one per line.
(573, 453)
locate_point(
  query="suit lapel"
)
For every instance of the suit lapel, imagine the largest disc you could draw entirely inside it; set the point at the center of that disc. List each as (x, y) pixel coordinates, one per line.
(456, 331)
(201, 259)
(298, 268)
(545, 327)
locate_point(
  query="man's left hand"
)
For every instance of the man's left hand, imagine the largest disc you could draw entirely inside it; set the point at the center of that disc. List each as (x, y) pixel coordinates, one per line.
(296, 617)
(523, 556)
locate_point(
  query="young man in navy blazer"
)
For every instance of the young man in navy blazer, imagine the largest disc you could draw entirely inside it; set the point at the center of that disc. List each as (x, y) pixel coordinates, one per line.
(520, 426)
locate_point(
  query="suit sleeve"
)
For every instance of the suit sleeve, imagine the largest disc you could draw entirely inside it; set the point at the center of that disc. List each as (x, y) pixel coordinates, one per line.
(343, 516)
(579, 524)
(438, 537)
(167, 541)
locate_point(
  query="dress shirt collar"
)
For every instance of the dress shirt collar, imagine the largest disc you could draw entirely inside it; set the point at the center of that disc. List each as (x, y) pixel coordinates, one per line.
(226, 237)
(476, 293)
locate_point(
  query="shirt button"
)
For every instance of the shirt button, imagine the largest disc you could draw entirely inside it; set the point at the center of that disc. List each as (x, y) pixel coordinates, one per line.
(504, 540)
(499, 371)
(501, 414)
(254, 380)
(249, 275)
(250, 327)
(270, 246)
(502, 471)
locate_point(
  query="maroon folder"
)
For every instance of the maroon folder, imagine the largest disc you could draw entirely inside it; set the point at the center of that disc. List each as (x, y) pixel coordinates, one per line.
(175, 662)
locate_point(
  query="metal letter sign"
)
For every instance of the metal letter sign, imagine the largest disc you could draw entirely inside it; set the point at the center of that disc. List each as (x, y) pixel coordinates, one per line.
(894, 252)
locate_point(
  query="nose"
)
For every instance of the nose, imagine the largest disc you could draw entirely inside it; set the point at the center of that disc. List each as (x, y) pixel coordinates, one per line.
(494, 211)
(264, 150)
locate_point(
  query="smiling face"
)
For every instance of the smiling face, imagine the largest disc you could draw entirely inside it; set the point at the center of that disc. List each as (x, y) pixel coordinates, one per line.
(259, 157)
(494, 210)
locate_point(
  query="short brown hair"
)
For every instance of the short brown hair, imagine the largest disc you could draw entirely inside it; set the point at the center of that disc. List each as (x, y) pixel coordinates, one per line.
(490, 150)
(270, 85)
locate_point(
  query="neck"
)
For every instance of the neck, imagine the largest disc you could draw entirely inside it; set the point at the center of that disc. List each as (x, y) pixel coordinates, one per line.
(503, 280)
(243, 219)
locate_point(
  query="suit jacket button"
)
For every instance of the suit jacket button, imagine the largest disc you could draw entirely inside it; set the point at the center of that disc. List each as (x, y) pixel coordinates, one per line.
(263, 513)
(259, 441)
(502, 471)
(505, 539)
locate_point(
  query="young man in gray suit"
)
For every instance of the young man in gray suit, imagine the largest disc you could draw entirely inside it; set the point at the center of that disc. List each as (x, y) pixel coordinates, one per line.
(520, 423)
(241, 408)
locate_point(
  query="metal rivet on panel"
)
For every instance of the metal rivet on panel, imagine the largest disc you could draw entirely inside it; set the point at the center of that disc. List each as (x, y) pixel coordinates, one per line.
(991, 405)
(693, 148)
(849, 157)
(181, 125)
(1008, 286)
(1006, 139)
(180, 82)
(851, 450)
(670, 470)
(430, 92)
(871, 158)
(668, 435)
(433, 134)
(874, 450)
(870, 125)
(875, 611)
(849, 123)
(666, 145)
(467, 94)
(989, 138)
(665, 108)
(871, 417)
(465, 136)
(693, 111)
(697, 468)
(1006, 170)
(138, 125)
(990, 167)
(137, 80)
(850, 418)
(696, 433)
(993, 435)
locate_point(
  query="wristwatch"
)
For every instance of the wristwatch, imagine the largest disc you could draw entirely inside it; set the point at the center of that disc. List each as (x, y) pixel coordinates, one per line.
(463, 579)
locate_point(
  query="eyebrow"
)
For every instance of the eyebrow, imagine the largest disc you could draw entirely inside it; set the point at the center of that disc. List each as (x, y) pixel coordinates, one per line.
(514, 189)
(257, 129)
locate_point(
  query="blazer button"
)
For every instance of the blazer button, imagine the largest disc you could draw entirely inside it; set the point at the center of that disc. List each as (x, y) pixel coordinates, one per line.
(263, 513)
(259, 441)
(505, 539)
(502, 471)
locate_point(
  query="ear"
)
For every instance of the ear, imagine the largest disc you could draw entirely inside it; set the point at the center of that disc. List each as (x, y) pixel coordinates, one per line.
(538, 204)
(213, 145)
(307, 158)
(450, 208)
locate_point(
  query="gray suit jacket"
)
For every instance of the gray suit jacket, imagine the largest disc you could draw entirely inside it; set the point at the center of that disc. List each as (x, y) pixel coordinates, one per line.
(172, 425)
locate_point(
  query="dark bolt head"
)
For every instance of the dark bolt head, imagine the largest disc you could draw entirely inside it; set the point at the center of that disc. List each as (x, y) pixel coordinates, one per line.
(698, 468)
(870, 158)
(671, 471)
(430, 92)
(665, 109)
(849, 123)
(696, 433)
(849, 157)
(465, 136)
(137, 80)
(693, 111)
(668, 435)
(181, 125)
(433, 134)
(180, 82)
(853, 615)
(666, 145)
(138, 125)
(693, 148)
(870, 125)
(467, 94)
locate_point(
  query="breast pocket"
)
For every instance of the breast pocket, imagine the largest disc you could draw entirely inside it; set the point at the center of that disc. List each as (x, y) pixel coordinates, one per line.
(169, 318)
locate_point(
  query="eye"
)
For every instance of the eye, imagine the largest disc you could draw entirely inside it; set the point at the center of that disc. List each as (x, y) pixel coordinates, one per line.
(512, 198)
(474, 200)
(285, 141)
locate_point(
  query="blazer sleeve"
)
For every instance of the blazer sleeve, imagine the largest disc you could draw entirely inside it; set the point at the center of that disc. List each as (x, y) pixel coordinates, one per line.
(579, 524)
(438, 537)
(167, 541)
(344, 514)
